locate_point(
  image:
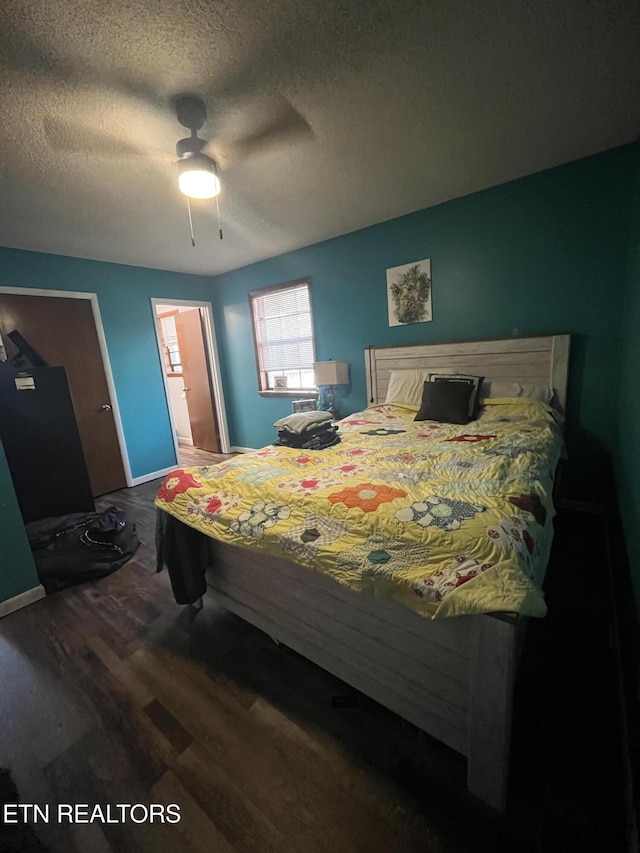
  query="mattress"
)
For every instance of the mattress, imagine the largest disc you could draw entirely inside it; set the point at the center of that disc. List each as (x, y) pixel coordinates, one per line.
(445, 519)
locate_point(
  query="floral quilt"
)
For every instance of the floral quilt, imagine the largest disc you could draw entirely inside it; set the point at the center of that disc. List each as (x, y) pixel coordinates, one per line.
(445, 519)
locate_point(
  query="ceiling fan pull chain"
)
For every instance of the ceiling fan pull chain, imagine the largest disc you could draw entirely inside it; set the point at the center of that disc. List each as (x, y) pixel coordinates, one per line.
(193, 239)
(219, 224)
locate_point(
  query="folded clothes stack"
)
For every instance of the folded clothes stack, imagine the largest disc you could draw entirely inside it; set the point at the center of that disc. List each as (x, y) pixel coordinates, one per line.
(307, 431)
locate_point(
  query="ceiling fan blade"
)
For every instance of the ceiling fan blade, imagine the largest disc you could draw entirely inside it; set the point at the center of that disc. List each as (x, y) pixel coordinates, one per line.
(278, 124)
(23, 55)
(63, 136)
(66, 136)
(18, 52)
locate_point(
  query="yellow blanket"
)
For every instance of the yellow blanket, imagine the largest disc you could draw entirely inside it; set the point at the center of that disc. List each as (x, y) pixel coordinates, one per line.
(445, 519)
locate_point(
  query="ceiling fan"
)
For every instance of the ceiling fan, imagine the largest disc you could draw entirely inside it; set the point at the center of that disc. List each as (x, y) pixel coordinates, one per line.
(198, 160)
(248, 118)
(197, 172)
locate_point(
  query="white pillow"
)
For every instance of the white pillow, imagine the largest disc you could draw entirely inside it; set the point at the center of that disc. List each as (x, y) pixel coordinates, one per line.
(544, 393)
(406, 387)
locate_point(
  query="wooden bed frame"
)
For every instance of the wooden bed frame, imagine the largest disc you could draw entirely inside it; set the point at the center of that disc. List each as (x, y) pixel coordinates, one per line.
(453, 678)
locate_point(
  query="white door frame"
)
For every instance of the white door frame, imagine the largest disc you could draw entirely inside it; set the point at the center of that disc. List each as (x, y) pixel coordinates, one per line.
(102, 342)
(212, 348)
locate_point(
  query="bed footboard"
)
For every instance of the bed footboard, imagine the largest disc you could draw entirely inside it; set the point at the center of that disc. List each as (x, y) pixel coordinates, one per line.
(496, 641)
(453, 678)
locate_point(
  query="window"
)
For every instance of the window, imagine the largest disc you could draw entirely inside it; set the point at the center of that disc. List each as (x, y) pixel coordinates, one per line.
(283, 335)
(170, 348)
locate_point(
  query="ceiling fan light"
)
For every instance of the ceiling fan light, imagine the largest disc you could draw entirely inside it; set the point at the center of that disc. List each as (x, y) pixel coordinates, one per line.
(198, 178)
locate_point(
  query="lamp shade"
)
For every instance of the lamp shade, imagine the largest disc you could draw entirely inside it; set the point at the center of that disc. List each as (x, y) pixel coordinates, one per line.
(331, 372)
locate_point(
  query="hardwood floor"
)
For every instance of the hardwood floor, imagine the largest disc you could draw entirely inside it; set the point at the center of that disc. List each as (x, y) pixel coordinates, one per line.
(192, 456)
(111, 693)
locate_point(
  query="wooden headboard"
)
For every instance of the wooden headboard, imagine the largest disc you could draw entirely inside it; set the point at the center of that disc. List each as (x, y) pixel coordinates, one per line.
(541, 360)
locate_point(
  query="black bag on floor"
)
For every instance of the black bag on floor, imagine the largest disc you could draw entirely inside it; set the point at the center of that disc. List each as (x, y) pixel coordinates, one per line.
(81, 547)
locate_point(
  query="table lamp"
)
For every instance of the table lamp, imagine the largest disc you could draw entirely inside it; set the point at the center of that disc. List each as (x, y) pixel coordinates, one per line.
(330, 374)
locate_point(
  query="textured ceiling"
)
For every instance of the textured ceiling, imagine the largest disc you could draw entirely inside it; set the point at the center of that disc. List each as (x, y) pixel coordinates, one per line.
(325, 116)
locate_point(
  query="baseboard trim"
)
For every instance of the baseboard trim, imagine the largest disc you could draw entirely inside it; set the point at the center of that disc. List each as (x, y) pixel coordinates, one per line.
(21, 600)
(154, 475)
(183, 441)
(235, 448)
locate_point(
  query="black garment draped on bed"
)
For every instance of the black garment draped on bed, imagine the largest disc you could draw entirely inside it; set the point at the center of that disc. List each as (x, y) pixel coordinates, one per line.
(186, 554)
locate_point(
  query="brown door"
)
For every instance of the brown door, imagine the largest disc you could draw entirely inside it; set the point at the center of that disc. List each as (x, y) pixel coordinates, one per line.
(197, 382)
(63, 331)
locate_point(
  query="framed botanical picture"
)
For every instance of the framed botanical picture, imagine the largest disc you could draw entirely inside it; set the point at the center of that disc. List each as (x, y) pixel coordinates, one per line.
(280, 383)
(409, 293)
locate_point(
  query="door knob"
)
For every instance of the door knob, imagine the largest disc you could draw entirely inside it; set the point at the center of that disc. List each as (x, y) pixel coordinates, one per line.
(106, 407)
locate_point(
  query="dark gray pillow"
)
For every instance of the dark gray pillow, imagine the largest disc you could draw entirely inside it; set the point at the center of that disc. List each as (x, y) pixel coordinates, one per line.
(445, 401)
(475, 381)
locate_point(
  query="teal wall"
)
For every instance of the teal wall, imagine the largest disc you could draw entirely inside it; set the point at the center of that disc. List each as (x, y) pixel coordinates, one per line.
(17, 570)
(546, 253)
(627, 456)
(124, 297)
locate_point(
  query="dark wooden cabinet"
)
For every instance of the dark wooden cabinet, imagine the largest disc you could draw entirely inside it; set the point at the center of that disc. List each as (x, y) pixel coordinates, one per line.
(41, 441)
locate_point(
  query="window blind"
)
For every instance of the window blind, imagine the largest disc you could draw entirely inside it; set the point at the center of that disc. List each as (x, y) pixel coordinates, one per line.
(284, 331)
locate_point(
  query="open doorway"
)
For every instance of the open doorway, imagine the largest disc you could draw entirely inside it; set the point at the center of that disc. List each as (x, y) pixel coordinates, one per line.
(191, 378)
